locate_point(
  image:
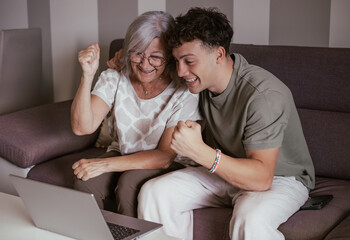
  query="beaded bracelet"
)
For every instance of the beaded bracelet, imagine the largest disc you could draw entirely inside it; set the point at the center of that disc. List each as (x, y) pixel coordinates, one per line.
(216, 162)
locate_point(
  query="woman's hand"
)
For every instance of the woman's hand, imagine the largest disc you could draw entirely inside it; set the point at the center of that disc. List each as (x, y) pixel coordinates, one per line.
(89, 60)
(114, 63)
(85, 169)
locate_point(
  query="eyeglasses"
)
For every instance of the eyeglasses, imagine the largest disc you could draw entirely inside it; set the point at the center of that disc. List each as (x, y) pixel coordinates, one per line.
(154, 61)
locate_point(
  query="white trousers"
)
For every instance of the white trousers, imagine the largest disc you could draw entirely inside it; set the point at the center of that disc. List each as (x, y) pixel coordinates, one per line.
(171, 198)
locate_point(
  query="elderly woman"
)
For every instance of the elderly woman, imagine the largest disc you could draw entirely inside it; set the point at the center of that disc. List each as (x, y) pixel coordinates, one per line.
(145, 100)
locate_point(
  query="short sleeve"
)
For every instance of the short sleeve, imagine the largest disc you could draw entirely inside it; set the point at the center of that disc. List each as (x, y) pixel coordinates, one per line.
(106, 86)
(186, 108)
(267, 118)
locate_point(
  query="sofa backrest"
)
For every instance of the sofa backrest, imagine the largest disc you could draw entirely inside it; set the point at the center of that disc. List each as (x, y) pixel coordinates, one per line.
(115, 45)
(20, 69)
(319, 79)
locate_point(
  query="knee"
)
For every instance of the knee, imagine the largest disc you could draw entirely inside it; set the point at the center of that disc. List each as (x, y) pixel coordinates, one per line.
(87, 186)
(151, 191)
(255, 221)
(80, 185)
(147, 199)
(148, 189)
(247, 214)
(130, 182)
(248, 217)
(126, 183)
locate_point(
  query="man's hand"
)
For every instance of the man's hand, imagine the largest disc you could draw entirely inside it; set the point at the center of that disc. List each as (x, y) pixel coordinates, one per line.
(85, 169)
(114, 63)
(89, 60)
(187, 138)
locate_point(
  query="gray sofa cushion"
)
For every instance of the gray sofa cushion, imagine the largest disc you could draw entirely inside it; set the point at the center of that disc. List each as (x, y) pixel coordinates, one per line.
(38, 134)
(328, 139)
(59, 171)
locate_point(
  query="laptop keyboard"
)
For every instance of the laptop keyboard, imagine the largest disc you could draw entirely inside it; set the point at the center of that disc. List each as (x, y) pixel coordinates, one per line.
(120, 232)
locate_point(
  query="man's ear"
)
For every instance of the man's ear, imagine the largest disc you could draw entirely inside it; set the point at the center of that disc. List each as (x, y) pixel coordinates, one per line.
(220, 54)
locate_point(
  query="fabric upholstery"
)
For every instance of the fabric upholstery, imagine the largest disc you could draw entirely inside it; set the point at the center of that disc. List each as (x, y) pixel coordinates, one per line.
(104, 138)
(20, 69)
(212, 223)
(328, 135)
(35, 135)
(341, 231)
(318, 77)
(59, 171)
(115, 46)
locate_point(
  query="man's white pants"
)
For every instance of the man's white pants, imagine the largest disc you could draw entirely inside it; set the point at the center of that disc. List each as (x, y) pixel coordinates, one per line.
(171, 198)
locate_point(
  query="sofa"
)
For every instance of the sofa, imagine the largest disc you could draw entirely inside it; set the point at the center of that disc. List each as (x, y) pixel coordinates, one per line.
(39, 143)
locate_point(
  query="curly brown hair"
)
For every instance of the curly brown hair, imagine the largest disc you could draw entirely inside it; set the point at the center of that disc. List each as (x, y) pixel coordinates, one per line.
(206, 24)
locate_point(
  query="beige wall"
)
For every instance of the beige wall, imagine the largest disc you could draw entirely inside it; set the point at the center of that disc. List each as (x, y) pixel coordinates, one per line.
(13, 14)
(74, 26)
(176, 7)
(300, 23)
(251, 21)
(339, 24)
(70, 25)
(114, 17)
(151, 5)
(39, 17)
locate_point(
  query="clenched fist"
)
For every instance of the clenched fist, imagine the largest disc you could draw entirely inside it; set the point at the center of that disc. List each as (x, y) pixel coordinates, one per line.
(89, 60)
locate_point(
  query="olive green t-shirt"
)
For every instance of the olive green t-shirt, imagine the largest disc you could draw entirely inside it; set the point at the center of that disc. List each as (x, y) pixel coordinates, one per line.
(257, 111)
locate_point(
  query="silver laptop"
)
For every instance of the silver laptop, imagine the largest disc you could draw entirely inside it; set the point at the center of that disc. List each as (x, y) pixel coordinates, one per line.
(75, 214)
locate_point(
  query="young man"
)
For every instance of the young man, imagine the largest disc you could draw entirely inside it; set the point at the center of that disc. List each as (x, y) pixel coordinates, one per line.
(260, 163)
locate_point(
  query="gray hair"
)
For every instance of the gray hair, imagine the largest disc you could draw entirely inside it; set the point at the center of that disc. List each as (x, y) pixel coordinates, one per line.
(141, 32)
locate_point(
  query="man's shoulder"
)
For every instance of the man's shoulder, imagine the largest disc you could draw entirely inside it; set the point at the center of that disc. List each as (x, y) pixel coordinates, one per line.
(256, 78)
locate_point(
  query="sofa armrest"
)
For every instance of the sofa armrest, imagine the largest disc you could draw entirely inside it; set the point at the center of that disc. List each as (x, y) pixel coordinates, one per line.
(34, 135)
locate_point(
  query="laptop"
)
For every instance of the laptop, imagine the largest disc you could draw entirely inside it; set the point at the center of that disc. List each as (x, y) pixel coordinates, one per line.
(76, 214)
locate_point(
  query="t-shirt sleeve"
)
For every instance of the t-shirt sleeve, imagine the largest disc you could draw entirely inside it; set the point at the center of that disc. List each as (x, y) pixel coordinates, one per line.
(186, 108)
(106, 86)
(267, 118)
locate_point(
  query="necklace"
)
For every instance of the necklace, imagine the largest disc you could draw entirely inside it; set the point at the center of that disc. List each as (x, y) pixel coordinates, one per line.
(147, 92)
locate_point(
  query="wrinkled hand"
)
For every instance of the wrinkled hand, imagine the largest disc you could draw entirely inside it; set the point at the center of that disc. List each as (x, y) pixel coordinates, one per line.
(114, 63)
(187, 137)
(89, 59)
(85, 169)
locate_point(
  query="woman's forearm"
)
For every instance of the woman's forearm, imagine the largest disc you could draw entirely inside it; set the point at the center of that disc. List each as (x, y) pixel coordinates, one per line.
(151, 159)
(82, 117)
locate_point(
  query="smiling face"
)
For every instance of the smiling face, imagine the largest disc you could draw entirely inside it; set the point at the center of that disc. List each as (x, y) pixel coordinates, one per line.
(196, 64)
(145, 72)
